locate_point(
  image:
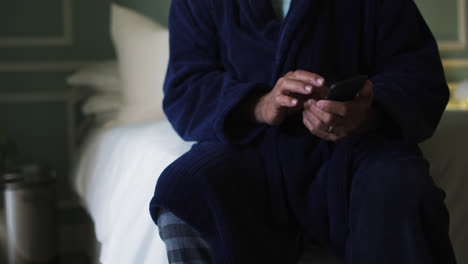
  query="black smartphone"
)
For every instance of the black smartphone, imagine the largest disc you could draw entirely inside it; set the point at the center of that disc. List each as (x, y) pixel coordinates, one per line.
(346, 90)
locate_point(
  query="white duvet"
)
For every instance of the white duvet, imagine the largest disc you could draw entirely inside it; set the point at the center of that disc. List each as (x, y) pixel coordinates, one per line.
(115, 179)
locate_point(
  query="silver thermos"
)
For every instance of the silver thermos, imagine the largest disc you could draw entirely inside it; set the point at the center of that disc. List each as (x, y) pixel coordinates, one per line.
(30, 208)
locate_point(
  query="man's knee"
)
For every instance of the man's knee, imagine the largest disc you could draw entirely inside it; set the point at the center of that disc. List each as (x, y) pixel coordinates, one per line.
(383, 165)
(202, 161)
(394, 200)
(398, 182)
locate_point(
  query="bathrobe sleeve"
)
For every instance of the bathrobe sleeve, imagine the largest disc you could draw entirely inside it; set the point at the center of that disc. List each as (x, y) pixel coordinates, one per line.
(199, 95)
(409, 84)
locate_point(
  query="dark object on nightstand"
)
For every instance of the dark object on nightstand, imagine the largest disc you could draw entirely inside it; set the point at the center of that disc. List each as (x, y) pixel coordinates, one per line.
(30, 205)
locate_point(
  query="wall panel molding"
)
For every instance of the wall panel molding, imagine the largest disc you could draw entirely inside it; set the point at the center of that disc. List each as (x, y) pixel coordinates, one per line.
(43, 66)
(455, 63)
(35, 97)
(66, 39)
(461, 42)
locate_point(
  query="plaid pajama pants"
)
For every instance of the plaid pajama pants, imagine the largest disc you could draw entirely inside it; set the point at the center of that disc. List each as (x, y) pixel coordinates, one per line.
(184, 245)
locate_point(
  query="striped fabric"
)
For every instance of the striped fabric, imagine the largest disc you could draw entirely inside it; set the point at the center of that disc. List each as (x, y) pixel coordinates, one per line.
(183, 243)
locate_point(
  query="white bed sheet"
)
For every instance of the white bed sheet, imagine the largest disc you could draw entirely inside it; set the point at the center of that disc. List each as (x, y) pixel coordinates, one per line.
(115, 178)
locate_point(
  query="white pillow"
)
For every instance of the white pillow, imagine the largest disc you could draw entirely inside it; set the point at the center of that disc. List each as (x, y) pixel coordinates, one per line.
(101, 76)
(143, 52)
(102, 103)
(105, 119)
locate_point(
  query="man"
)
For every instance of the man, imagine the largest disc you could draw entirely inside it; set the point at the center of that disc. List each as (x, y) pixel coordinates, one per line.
(275, 162)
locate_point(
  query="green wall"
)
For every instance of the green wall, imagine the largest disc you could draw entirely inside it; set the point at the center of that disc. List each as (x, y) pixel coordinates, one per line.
(448, 21)
(156, 9)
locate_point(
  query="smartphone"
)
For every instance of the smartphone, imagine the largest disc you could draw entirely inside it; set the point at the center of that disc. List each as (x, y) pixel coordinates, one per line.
(346, 90)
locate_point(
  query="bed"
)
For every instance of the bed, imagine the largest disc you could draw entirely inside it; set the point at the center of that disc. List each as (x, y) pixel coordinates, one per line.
(131, 143)
(115, 179)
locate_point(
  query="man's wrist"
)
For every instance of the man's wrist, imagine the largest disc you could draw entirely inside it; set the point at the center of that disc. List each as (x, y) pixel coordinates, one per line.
(259, 104)
(250, 109)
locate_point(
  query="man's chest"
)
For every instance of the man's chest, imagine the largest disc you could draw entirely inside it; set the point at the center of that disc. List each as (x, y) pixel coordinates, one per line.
(254, 45)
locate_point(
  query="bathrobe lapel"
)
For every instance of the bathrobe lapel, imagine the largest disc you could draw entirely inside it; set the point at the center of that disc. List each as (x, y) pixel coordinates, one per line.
(285, 37)
(309, 37)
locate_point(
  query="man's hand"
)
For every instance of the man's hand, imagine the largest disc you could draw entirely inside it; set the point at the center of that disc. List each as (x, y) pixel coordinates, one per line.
(288, 96)
(331, 120)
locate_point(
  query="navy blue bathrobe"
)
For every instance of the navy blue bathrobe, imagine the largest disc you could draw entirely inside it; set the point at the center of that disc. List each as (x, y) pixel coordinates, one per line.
(254, 191)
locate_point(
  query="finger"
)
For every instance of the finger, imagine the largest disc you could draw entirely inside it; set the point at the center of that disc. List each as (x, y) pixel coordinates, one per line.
(309, 102)
(292, 85)
(286, 101)
(309, 77)
(335, 135)
(337, 108)
(326, 117)
(367, 90)
(365, 97)
(315, 121)
(318, 133)
(316, 80)
(321, 129)
(328, 136)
